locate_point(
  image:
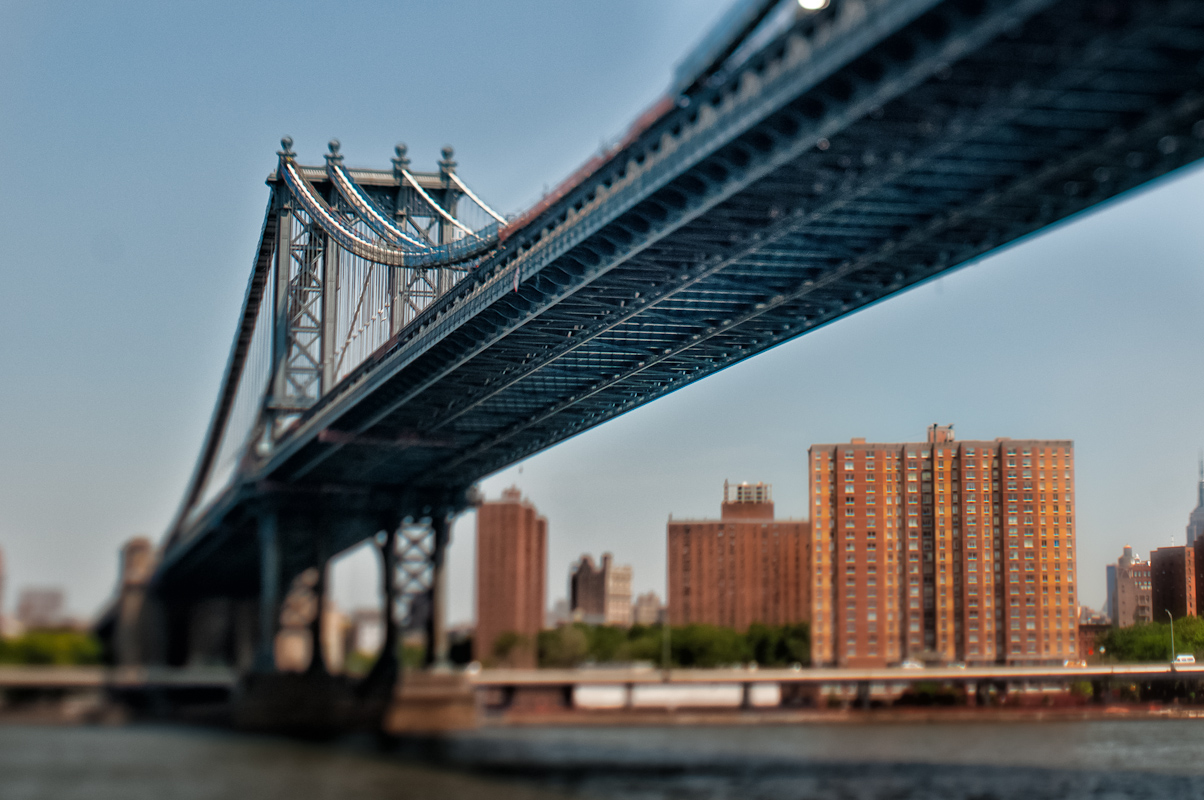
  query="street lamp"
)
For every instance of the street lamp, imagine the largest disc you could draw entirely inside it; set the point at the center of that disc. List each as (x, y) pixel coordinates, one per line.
(1172, 616)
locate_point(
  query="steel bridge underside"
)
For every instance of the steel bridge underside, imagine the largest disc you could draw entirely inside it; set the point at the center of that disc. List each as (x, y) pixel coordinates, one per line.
(962, 129)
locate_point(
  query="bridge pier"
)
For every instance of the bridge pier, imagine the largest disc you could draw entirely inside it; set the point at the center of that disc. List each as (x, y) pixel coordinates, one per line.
(258, 608)
(436, 626)
(384, 671)
(317, 658)
(269, 588)
(863, 694)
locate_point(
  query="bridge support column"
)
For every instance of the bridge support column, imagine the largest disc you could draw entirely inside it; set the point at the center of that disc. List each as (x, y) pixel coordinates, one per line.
(436, 627)
(317, 659)
(269, 589)
(863, 694)
(384, 671)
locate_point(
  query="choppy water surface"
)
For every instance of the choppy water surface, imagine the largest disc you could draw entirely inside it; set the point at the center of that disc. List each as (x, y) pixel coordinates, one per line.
(1147, 759)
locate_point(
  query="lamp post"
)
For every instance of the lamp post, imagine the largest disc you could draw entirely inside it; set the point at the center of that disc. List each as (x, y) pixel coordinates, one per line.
(1172, 616)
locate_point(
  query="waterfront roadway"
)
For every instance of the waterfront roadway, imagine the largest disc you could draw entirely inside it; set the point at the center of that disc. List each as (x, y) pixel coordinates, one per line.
(119, 678)
(133, 678)
(500, 678)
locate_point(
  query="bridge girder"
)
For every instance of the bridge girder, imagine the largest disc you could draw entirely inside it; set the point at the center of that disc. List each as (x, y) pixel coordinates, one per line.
(842, 163)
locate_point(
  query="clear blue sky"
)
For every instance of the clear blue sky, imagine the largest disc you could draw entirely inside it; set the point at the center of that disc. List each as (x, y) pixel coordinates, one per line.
(138, 135)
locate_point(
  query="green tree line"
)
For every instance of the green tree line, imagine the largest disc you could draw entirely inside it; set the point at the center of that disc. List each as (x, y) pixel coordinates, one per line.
(1152, 641)
(50, 647)
(689, 645)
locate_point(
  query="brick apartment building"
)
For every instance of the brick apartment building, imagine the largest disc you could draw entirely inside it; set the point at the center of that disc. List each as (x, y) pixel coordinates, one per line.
(1131, 598)
(1173, 582)
(512, 547)
(943, 550)
(743, 568)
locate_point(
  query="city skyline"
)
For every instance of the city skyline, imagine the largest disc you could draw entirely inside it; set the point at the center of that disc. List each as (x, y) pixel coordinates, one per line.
(1098, 313)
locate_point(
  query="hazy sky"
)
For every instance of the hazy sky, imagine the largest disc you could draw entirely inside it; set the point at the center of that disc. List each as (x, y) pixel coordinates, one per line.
(138, 136)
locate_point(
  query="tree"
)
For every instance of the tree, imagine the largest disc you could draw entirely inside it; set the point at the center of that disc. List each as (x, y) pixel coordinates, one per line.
(566, 646)
(691, 645)
(51, 647)
(1152, 641)
(506, 643)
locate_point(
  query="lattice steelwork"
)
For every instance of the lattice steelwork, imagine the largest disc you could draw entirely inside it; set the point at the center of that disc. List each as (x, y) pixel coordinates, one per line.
(415, 573)
(341, 269)
(299, 377)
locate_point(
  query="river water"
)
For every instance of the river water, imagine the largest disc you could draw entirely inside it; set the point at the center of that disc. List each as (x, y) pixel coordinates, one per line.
(896, 761)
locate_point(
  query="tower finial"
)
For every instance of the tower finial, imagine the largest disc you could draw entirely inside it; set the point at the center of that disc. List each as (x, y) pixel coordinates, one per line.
(333, 145)
(401, 160)
(447, 164)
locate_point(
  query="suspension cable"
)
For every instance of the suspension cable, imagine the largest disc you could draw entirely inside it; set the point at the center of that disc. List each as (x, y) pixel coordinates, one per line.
(460, 184)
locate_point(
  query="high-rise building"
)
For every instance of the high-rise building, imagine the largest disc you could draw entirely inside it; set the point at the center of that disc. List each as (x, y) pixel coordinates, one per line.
(647, 610)
(1195, 523)
(559, 613)
(512, 547)
(618, 596)
(943, 550)
(600, 594)
(8, 625)
(743, 568)
(1110, 604)
(1134, 603)
(1173, 582)
(40, 609)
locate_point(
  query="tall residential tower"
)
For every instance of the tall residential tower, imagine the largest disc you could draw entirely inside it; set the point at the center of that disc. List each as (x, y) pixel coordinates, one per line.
(512, 554)
(943, 550)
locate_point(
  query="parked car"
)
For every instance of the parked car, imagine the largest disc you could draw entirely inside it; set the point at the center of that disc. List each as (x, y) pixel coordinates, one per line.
(911, 663)
(1183, 658)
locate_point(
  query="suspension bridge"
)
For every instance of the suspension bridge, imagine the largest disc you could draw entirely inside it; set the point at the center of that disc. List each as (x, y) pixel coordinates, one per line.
(400, 340)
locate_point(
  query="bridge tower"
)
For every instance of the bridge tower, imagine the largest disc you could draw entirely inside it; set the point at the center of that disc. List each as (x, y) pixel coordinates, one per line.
(356, 258)
(348, 258)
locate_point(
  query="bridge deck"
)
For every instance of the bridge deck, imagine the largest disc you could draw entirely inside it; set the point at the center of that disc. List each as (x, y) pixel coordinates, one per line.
(860, 153)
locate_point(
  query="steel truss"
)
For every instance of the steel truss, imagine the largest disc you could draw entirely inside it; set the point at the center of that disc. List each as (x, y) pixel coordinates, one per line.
(342, 268)
(858, 153)
(416, 547)
(842, 163)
